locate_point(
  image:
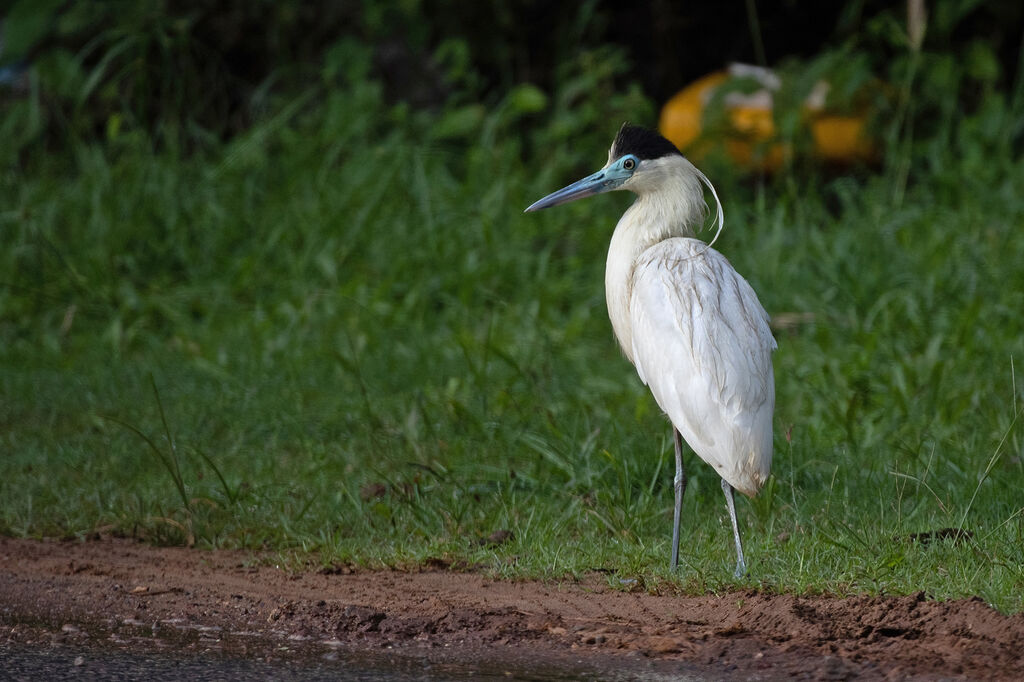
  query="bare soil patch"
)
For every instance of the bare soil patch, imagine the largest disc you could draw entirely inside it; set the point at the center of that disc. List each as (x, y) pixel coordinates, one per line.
(136, 596)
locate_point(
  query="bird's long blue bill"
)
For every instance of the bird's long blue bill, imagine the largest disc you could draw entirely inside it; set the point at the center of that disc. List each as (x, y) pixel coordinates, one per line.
(587, 187)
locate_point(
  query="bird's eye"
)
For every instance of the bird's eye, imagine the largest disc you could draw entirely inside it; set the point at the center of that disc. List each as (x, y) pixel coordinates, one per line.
(629, 164)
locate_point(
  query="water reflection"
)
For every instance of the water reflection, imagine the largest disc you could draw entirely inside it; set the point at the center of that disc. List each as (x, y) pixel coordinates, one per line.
(61, 661)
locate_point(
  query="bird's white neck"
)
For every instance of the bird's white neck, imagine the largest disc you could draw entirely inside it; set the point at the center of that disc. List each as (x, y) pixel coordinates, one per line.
(670, 203)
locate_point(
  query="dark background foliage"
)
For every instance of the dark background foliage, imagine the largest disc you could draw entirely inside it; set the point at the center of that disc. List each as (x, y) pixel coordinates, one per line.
(192, 69)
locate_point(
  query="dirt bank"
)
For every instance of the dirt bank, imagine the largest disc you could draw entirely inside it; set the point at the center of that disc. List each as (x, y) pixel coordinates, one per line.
(135, 596)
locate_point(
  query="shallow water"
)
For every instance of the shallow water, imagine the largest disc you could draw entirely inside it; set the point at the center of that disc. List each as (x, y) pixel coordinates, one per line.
(79, 663)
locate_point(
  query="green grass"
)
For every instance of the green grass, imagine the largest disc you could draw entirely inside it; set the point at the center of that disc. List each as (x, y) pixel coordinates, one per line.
(236, 349)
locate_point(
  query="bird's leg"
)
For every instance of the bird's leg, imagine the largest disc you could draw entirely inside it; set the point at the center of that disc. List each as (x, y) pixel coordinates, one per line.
(741, 565)
(680, 486)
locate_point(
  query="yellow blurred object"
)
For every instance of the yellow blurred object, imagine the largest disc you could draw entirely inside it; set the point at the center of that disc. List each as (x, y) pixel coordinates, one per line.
(842, 138)
(750, 136)
(680, 120)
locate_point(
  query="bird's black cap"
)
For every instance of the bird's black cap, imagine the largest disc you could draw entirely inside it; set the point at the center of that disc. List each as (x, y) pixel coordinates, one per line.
(642, 143)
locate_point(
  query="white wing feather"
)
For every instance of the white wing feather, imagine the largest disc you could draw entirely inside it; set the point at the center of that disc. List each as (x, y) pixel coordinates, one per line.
(701, 342)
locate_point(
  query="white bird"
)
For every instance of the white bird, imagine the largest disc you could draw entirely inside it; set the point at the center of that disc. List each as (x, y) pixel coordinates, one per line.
(689, 323)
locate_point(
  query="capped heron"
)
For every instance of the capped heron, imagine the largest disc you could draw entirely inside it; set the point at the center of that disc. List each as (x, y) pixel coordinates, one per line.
(689, 323)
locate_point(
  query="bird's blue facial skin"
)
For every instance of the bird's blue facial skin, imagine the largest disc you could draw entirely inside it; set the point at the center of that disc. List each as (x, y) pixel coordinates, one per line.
(605, 180)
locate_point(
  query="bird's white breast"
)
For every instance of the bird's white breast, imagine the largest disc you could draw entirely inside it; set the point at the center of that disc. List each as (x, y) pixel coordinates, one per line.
(671, 203)
(618, 275)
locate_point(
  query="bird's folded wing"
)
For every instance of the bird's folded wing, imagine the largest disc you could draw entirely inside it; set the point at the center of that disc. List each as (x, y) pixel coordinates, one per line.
(701, 342)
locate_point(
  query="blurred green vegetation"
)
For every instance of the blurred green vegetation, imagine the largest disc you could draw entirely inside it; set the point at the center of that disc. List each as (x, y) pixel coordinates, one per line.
(326, 326)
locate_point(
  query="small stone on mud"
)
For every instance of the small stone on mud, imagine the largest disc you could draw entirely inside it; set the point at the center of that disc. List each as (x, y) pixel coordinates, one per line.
(663, 645)
(734, 629)
(336, 569)
(79, 661)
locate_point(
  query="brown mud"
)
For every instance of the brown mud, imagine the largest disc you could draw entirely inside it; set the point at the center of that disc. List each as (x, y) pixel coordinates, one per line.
(140, 598)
